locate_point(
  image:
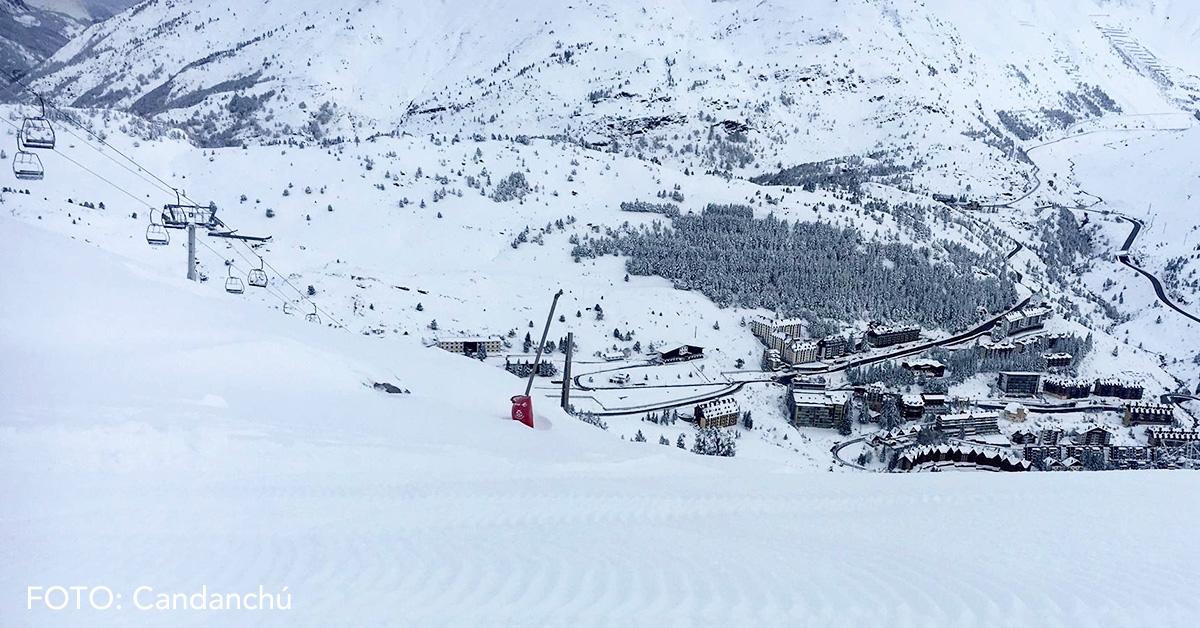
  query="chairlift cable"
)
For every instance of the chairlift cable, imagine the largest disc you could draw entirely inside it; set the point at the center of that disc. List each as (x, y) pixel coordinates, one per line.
(141, 169)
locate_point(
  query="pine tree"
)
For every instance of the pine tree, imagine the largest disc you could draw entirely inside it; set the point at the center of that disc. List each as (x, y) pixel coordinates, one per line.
(639, 437)
(527, 344)
(680, 442)
(662, 440)
(845, 423)
(747, 420)
(889, 418)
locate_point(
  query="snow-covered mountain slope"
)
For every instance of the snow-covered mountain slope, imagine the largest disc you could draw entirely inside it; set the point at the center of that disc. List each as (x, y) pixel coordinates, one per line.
(88, 11)
(29, 33)
(791, 83)
(155, 435)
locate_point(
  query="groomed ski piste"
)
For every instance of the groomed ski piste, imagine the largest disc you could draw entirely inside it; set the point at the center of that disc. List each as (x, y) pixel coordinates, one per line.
(170, 439)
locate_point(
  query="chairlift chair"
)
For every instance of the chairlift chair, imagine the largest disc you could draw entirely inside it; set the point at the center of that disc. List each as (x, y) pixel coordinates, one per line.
(313, 318)
(156, 234)
(257, 277)
(233, 285)
(36, 131)
(179, 215)
(27, 166)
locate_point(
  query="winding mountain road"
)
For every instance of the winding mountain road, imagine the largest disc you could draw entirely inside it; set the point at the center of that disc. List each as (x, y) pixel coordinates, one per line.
(1124, 258)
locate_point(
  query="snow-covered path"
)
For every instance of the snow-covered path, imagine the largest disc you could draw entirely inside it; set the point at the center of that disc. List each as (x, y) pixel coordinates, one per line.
(178, 438)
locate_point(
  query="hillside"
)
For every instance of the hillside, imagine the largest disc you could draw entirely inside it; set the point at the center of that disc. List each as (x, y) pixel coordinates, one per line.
(29, 33)
(702, 85)
(156, 435)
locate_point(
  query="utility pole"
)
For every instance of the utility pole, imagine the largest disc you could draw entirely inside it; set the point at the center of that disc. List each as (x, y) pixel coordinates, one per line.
(538, 358)
(191, 275)
(566, 385)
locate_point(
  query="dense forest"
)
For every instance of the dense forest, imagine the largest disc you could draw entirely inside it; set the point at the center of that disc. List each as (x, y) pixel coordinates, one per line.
(812, 269)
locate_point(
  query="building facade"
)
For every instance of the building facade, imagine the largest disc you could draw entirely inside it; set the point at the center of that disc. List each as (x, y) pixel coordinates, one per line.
(717, 413)
(969, 423)
(471, 346)
(1021, 384)
(1024, 319)
(1066, 388)
(1141, 413)
(1117, 388)
(681, 354)
(1057, 360)
(888, 336)
(810, 408)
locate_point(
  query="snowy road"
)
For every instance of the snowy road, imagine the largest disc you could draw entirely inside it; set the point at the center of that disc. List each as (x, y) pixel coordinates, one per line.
(1125, 259)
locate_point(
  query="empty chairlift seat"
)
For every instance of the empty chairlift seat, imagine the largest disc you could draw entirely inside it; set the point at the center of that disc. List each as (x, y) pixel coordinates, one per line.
(156, 235)
(36, 133)
(233, 285)
(27, 166)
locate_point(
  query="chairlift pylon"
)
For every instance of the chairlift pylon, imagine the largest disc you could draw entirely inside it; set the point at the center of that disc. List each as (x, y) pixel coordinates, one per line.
(233, 285)
(27, 166)
(156, 234)
(36, 132)
(257, 277)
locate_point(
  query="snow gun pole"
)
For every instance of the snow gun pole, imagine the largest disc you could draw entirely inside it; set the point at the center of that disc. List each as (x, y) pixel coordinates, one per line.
(538, 358)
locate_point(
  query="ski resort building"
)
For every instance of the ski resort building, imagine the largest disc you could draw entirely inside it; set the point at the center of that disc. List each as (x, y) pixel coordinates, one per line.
(810, 408)
(1050, 436)
(681, 354)
(888, 336)
(1024, 437)
(969, 423)
(1096, 436)
(1025, 319)
(1020, 384)
(830, 348)
(939, 457)
(1015, 413)
(471, 345)
(1142, 413)
(764, 328)
(1171, 436)
(1118, 388)
(717, 413)
(931, 368)
(935, 403)
(1057, 360)
(1067, 388)
(772, 360)
(799, 352)
(912, 407)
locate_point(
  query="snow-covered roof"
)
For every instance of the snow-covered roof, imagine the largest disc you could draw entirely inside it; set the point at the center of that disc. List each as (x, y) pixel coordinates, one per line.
(470, 339)
(819, 398)
(724, 405)
(883, 331)
(923, 363)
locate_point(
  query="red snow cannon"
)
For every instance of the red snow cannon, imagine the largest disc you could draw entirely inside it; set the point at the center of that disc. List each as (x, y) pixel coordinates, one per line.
(523, 409)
